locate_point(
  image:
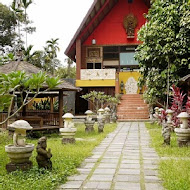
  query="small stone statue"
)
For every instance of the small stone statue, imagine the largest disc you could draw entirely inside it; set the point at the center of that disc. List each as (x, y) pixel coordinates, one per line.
(121, 87)
(166, 133)
(43, 157)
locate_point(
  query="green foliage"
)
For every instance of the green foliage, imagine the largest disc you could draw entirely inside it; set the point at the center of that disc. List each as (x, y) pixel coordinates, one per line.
(18, 81)
(42, 105)
(100, 100)
(7, 29)
(52, 82)
(67, 71)
(166, 151)
(50, 55)
(176, 174)
(174, 171)
(165, 45)
(66, 158)
(62, 72)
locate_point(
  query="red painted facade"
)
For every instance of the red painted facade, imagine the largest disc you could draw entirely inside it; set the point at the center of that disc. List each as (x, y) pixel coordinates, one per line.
(111, 31)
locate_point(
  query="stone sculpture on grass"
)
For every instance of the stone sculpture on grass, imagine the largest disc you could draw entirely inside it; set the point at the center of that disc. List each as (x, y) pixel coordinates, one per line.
(43, 156)
(19, 152)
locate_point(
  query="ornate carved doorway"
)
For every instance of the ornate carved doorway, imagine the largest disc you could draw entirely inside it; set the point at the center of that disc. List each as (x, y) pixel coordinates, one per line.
(131, 86)
(129, 78)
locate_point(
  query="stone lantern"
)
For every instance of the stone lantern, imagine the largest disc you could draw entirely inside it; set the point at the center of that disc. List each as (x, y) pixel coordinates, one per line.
(107, 115)
(160, 110)
(89, 123)
(156, 113)
(68, 132)
(101, 120)
(170, 114)
(19, 152)
(183, 133)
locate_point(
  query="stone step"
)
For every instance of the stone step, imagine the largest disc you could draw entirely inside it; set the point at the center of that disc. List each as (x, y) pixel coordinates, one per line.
(135, 117)
(132, 106)
(135, 113)
(132, 113)
(133, 120)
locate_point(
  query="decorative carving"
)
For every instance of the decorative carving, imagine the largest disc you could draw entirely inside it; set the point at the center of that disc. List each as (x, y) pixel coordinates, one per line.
(131, 86)
(97, 74)
(43, 157)
(94, 52)
(130, 23)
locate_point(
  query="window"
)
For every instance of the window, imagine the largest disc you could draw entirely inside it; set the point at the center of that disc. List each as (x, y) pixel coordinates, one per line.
(128, 59)
(111, 53)
(89, 65)
(98, 65)
(94, 65)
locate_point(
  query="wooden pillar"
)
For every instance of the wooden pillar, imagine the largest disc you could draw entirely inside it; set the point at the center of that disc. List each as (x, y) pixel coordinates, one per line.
(78, 58)
(60, 108)
(51, 104)
(117, 83)
(25, 107)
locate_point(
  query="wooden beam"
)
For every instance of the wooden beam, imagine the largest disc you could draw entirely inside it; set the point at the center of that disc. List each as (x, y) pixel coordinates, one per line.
(78, 58)
(60, 108)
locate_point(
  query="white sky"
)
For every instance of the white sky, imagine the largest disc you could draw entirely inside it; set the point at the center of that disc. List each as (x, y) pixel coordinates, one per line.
(55, 19)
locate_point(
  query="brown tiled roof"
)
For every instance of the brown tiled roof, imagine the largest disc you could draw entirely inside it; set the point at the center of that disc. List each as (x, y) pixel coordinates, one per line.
(31, 69)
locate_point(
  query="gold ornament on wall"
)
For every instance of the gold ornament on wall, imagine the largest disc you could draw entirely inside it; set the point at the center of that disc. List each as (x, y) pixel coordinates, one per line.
(130, 23)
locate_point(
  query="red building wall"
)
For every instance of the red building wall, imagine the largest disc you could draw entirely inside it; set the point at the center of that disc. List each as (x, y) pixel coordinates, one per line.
(111, 31)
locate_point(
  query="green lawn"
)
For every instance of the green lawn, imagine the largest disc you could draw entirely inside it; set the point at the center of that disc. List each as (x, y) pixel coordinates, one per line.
(66, 158)
(175, 171)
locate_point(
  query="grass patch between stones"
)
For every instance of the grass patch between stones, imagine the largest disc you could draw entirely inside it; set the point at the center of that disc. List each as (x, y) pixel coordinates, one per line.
(174, 170)
(66, 158)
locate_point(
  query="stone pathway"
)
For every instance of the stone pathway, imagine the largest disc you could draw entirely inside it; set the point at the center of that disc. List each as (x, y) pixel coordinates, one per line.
(123, 161)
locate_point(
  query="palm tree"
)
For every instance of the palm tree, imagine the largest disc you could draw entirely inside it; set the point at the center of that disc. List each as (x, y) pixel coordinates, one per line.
(52, 47)
(28, 56)
(26, 4)
(69, 63)
(16, 7)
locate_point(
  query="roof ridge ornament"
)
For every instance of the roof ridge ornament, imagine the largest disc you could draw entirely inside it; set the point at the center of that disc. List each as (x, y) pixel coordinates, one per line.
(130, 23)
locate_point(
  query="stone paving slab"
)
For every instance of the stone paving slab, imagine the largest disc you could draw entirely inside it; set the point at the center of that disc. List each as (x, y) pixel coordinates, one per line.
(127, 185)
(105, 171)
(122, 161)
(97, 185)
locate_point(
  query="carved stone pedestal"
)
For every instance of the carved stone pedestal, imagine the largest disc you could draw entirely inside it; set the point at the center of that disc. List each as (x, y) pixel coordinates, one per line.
(89, 126)
(68, 140)
(11, 167)
(19, 157)
(68, 135)
(183, 137)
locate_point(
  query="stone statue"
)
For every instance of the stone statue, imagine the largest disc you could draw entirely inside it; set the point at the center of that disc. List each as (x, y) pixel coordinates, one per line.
(166, 133)
(43, 157)
(121, 87)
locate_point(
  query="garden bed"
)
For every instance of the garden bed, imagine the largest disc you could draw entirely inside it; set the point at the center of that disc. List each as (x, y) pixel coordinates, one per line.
(66, 158)
(174, 168)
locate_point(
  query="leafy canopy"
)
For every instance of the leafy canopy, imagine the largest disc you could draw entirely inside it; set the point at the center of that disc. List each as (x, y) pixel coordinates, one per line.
(165, 46)
(19, 82)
